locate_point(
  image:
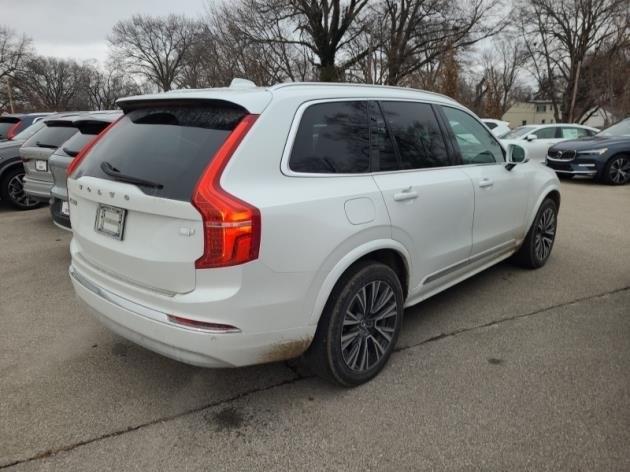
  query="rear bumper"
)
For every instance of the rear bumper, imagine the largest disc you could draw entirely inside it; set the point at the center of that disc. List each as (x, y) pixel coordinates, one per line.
(39, 189)
(61, 220)
(151, 329)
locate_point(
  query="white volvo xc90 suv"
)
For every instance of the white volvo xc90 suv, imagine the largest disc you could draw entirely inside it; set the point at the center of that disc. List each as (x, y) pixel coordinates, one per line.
(227, 227)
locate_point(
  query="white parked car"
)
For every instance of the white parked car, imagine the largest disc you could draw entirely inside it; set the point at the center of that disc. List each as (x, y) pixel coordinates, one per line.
(537, 139)
(498, 127)
(227, 227)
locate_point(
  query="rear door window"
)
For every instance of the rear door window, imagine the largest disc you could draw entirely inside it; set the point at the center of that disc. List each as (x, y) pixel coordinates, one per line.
(333, 138)
(51, 136)
(417, 136)
(572, 132)
(546, 133)
(168, 145)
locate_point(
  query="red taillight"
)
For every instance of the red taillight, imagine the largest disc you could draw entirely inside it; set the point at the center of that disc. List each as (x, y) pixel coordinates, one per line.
(12, 131)
(231, 227)
(216, 327)
(86, 149)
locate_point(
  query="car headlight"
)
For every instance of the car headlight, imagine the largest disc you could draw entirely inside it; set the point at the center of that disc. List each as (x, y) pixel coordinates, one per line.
(594, 151)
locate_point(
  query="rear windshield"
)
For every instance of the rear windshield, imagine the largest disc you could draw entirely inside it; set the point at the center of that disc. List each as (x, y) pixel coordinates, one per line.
(28, 132)
(73, 146)
(5, 125)
(166, 145)
(51, 136)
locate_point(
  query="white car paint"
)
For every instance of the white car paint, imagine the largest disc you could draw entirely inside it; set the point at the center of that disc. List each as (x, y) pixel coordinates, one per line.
(534, 138)
(498, 127)
(451, 223)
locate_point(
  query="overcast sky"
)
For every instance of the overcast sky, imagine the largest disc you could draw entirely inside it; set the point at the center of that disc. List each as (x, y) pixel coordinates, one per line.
(78, 28)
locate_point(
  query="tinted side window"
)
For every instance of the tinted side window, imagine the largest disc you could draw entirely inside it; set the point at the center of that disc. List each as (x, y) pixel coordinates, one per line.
(333, 138)
(475, 142)
(417, 135)
(490, 124)
(545, 133)
(51, 136)
(168, 145)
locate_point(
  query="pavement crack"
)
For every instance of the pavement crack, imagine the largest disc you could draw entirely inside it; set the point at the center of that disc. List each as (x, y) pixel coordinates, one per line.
(113, 434)
(298, 377)
(509, 318)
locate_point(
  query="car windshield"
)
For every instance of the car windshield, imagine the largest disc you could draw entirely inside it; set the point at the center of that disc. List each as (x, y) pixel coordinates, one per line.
(518, 132)
(28, 132)
(620, 129)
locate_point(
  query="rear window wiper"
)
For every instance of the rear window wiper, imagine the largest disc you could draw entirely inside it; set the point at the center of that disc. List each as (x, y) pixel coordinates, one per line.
(115, 173)
(47, 146)
(70, 152)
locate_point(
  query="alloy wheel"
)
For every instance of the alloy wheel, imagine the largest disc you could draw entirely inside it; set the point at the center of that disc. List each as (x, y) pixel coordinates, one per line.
(619, 170)
(545, 234)
(368, 326)
(15, 188)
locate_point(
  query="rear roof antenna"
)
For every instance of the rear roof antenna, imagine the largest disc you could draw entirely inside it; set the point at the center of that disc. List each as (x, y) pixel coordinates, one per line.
(242, 84)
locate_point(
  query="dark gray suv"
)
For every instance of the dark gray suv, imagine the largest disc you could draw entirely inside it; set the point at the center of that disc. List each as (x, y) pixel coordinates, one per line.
(12, 170)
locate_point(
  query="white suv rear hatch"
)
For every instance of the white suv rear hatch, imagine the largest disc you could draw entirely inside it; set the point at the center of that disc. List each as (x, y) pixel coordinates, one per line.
(130, 198)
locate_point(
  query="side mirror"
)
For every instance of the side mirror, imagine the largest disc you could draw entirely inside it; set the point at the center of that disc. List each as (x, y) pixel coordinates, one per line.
(531, 137)
(515, 155)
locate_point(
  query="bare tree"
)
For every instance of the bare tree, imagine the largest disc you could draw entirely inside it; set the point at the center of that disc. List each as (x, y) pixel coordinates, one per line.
(409, 35)
(323, 28)
(51, 84)
(502, 63)
(154, 48)
(561, 35)
(105, 87)
(14, 50)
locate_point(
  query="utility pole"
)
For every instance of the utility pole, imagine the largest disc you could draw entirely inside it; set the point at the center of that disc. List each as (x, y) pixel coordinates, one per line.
(574, 93)
(10, 95)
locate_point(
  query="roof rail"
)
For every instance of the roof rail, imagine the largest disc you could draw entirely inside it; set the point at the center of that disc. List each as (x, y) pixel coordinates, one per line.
(351, 84)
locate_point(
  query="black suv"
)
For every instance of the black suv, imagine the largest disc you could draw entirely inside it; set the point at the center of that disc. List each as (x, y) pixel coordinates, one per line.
(605, 156)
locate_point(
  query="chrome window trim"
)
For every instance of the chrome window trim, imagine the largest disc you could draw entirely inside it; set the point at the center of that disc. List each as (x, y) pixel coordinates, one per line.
(297, 118)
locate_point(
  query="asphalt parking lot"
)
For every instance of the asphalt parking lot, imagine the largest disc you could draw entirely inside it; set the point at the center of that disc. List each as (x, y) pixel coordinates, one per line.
(511, 370)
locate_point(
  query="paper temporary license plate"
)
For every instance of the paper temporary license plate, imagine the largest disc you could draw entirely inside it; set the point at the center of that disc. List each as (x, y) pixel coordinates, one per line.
(41, 166)
(110, 221)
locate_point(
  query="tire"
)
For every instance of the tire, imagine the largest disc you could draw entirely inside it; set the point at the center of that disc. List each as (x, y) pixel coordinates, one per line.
(539, 241)
(12, 190)
(349, 347)
(617, 170)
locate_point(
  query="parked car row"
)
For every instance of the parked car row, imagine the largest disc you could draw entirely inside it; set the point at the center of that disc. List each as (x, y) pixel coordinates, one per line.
(229, 227)
(537, 139)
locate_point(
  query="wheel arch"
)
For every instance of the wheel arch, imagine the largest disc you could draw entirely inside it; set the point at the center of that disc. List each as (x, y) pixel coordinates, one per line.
(10, 164)
(388, 252)
(550, 191)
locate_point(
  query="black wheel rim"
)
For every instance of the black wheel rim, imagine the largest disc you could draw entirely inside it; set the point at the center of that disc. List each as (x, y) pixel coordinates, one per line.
(15, 190)
(619, 171)
(369, 326)
(545, 234)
